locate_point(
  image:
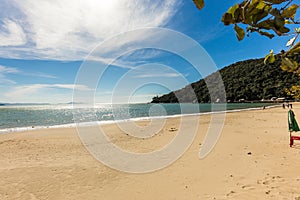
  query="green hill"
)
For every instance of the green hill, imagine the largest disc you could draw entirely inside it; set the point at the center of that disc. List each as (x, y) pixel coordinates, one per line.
(250, 80)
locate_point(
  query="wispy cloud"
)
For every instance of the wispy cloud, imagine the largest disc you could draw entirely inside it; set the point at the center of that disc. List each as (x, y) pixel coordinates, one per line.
(11, 34)
(3, 74)
(5, 80)
(8, 70)
(157, 75)
(122, 63)
(38, 74)
(154, 72)
(69, 30)
(4, 71)
(25, 90)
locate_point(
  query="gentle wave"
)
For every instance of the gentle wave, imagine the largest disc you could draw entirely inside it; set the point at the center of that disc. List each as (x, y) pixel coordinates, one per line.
(93, 123)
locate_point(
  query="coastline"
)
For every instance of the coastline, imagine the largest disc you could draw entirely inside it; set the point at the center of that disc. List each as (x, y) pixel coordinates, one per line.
(251, 160)
(74, 125)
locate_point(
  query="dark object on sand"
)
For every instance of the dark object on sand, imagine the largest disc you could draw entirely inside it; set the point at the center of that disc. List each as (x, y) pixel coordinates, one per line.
(293, 127)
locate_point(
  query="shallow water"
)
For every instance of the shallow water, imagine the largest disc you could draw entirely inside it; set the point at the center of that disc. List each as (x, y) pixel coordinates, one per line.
(53, 115)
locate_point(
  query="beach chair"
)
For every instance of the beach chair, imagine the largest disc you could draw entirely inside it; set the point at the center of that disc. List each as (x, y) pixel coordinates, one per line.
(293, 127)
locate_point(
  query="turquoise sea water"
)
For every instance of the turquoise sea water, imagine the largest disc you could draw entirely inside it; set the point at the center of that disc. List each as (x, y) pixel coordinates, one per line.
(31, 116)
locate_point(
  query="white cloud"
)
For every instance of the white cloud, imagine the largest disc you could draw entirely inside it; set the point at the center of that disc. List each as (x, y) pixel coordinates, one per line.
(157, 75)
(5, 80)
(28, 90)
(11, 34)
(69, 86)
(39, 74)
(7, 70)
(69, 30)
(4, 71)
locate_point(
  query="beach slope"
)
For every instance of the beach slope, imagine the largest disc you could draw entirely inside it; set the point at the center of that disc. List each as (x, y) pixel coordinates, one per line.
(252, 160)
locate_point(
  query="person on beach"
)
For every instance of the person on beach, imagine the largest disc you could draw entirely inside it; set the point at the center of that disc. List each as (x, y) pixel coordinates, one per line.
(283, 106)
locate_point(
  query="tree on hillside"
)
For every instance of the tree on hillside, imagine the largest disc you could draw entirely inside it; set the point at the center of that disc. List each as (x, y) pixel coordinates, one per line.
(269, 18)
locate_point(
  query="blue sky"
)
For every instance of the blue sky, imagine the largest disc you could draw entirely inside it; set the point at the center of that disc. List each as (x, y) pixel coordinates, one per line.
(44, 43)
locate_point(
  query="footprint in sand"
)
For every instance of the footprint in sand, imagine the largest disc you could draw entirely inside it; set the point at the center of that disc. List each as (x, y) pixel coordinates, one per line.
(173, 129)
(248, 187)
(230, 193)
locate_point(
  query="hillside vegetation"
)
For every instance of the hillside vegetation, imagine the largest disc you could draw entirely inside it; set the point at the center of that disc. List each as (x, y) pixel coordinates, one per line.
(251, 80)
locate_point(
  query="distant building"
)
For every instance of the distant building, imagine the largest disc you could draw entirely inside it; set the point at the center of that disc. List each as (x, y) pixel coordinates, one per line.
(281, 99)
(273, 98)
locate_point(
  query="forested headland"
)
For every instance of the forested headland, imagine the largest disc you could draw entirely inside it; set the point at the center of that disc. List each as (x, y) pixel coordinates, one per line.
(249, 80)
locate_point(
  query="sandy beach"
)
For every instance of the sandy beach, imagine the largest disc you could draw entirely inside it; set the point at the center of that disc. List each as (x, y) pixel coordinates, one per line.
(252, 160)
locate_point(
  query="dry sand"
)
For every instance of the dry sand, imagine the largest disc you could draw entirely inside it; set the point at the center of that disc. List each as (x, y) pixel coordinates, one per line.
(252, 160)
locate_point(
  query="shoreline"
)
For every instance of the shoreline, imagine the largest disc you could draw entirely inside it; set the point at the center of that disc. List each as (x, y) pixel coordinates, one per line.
(105, 122)
(251, 160)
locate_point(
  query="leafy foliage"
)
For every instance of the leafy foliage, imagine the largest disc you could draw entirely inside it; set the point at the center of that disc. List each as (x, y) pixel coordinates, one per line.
(268, 18)
(262, 15)
(250, 80)
(294, 91)
(199, 4)
(270, 58)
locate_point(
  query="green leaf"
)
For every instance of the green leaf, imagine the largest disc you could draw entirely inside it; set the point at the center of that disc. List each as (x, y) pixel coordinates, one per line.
(270, 58)
(279, 22)
(284, 29)
(269, 35)
(288, 22)
(266, 24)
(255, 11)
(294, 49)
(290, 12)
(275, 12)
(240, 33)
(232, 9)
(256, 18)
(238, 15)
(261, 5)
(227, 19)
(255, 7)
(199, 4)
(268, 8)
(248, 18)
(289, 65)
(275, 1)
(252, 8)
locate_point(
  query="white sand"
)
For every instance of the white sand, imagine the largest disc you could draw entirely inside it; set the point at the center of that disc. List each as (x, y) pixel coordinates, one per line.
(53, 164)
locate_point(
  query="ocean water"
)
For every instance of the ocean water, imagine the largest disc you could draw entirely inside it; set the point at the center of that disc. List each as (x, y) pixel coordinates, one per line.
(23, 117)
